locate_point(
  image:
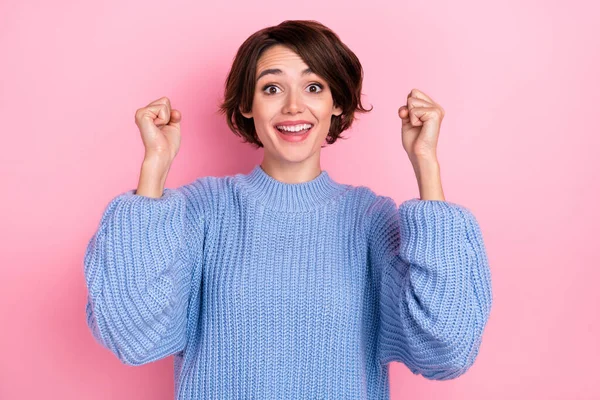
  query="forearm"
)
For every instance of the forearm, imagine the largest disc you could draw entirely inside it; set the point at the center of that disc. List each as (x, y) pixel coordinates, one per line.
(137, 271)
(436, 287)
(429, 179)
(153, 175)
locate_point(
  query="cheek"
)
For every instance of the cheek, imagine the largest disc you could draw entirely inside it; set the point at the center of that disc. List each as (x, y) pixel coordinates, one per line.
(265, 111)
(320, 107)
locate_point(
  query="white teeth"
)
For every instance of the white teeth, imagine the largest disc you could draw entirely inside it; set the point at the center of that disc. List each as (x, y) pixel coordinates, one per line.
(294, 128)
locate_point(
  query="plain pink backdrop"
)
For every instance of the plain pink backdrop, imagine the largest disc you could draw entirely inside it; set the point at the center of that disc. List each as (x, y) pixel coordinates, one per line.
(519, 146)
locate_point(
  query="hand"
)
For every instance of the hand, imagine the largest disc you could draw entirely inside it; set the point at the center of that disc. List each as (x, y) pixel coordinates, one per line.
(421, 120)
(159, 127)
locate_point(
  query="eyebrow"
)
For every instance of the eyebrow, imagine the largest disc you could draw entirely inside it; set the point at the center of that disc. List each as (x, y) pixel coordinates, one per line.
(277, 71)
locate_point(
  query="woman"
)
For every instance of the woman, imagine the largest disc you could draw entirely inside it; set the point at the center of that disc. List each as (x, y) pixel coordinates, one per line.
(283, 283)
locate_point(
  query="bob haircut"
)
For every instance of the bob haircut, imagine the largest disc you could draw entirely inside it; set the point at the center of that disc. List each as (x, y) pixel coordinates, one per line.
(320, 48)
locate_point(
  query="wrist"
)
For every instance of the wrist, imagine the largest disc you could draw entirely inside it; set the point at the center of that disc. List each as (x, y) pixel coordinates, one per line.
(428, 174)
(153, 175)
(157, 160)
(425, 165)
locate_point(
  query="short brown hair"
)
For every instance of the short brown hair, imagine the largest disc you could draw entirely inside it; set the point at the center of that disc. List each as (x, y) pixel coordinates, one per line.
(320, 48)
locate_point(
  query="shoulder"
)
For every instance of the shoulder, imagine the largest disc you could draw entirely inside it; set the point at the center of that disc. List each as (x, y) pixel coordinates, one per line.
(374, 210)
(380, 214)
(203, 194)
(370, 202)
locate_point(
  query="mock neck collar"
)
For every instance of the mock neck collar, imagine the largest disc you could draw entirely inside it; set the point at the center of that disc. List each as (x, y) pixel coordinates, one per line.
(292, 197)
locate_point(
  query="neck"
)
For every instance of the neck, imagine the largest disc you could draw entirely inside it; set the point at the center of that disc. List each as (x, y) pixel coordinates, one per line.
(292, 172)
(292, 197)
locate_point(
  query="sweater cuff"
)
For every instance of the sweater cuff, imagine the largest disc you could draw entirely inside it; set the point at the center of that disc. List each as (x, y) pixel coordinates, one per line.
(427, 225)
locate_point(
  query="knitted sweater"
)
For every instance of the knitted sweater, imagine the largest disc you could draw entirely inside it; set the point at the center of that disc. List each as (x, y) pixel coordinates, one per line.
(262, 289)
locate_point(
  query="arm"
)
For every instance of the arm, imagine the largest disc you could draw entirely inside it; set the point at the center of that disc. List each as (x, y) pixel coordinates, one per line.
(138, 269)
(435, 285)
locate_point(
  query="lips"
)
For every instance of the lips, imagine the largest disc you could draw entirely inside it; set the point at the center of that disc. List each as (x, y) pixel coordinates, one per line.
(289, 124)
(293, 122)
(294, 136)
(300, 132)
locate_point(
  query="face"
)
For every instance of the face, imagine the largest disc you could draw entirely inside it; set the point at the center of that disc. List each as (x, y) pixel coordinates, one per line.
(287, 94)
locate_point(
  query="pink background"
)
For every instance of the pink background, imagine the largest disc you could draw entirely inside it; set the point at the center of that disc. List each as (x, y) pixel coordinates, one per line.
(519, 146)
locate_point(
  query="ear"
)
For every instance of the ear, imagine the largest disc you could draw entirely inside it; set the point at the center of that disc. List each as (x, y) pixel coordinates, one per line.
(337, 111)
(246, 114)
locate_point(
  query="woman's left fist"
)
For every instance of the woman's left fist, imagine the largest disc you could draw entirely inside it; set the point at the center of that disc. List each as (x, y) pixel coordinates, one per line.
(421, 121)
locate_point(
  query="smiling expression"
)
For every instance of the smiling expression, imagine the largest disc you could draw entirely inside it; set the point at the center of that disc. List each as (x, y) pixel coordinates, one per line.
(288, 93)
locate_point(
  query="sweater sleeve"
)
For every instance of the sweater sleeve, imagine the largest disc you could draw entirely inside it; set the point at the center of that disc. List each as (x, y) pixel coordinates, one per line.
(138, 270)
(435, 287)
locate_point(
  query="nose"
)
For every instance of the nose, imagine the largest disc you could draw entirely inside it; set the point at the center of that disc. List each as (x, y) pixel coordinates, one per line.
(293, 103)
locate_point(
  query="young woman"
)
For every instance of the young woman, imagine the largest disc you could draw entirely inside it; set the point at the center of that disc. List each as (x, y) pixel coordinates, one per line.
(283, 283)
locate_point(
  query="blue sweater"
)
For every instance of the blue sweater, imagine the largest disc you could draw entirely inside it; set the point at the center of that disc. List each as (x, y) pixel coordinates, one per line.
(268, 290)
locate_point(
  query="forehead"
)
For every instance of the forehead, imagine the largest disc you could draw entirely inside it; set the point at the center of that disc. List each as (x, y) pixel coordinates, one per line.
(280, 57)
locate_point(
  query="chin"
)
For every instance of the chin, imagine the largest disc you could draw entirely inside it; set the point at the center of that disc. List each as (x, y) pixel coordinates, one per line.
(291, 156)
(294, 149)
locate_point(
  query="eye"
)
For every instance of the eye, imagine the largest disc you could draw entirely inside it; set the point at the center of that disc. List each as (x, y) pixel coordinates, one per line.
(270, 92)
(316, 85)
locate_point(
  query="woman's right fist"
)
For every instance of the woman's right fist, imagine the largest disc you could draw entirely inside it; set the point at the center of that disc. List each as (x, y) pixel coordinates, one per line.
(159, 126)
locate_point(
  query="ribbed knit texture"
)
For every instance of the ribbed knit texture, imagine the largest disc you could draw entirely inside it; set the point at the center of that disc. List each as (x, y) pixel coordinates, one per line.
(268, 290)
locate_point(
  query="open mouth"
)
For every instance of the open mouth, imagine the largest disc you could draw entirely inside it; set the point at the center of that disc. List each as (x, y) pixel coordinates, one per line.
(297, 130)
(296, 133)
